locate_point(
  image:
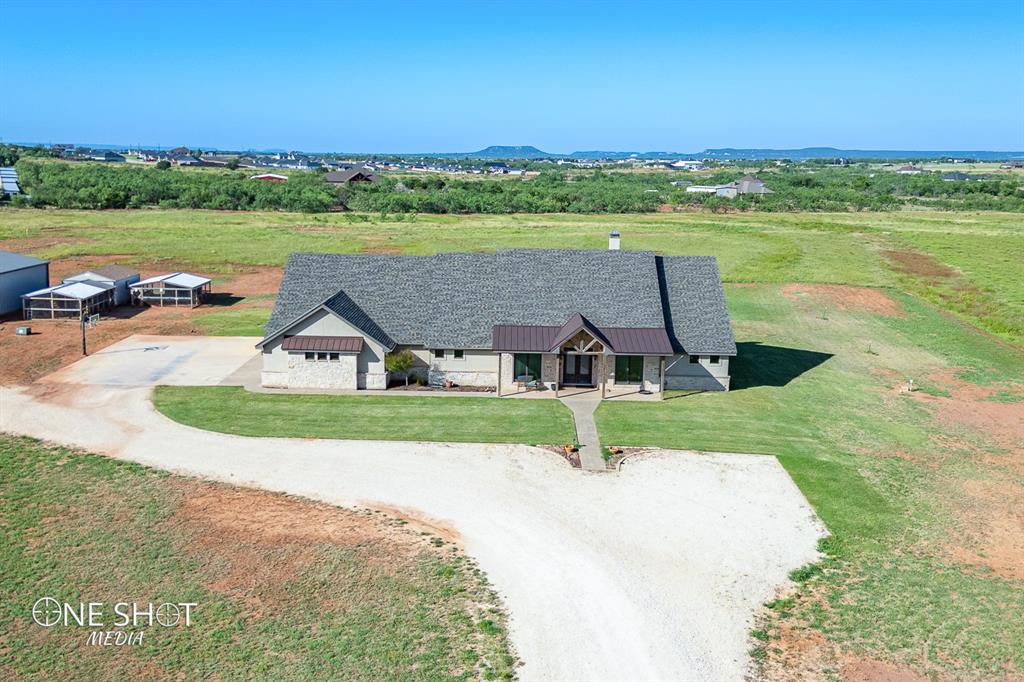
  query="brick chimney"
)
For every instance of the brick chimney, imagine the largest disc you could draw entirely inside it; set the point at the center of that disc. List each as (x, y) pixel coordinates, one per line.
(613, 240)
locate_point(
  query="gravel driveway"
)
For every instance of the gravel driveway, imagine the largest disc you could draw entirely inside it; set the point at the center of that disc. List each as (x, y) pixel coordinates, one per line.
(651, 573)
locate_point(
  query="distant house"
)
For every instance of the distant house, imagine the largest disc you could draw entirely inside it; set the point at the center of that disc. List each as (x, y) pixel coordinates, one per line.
(683, 164)
(726, 191)
(909, 170)
(958, 177)
(1013, 164)
(750, 184)
(118, 276)
(269, 177)
(107, 156)
(183, 151)
(19, 275)
(350, 175)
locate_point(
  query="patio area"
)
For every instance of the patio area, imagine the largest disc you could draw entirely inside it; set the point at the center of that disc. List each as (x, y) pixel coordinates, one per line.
(627, 392)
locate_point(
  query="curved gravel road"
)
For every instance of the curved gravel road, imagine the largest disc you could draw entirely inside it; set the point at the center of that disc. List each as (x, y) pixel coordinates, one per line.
(651, 573)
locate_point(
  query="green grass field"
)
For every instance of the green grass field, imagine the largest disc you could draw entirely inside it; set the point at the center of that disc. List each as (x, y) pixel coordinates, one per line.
(456, 419)
(285, 589)
(846, 248)
(884, 472)
(894, 476)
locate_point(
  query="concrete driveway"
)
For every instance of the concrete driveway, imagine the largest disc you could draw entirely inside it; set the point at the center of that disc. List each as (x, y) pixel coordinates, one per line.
(652, 573)
(143, 360)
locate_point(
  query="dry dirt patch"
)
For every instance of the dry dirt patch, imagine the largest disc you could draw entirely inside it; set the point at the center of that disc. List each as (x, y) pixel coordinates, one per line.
(267, 539)
(842, 297)
(916, 263)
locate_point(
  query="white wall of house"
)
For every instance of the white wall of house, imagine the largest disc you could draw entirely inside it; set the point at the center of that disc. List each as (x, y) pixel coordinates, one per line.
(474, 368)
(701, 375)
(281, 368)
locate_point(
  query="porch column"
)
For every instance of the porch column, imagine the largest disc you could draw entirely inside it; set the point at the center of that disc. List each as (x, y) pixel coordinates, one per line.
(499, 374)
(601, 359)
(661, 373)
(558, 372)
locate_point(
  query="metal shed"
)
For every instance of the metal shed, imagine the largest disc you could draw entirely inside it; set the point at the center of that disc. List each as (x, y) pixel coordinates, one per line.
(67, 301)
(177, 289)
(19, 275)
(117, 275)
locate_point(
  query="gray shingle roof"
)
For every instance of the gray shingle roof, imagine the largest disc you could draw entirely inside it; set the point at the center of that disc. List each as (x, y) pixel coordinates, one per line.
(454, 300)
(695, 313)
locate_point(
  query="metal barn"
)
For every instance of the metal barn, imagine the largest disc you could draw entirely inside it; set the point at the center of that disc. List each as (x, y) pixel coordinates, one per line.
(67, 301)
(20, 275)
(175, 289)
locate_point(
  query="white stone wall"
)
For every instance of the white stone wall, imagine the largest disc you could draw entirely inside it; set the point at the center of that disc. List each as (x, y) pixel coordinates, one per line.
(303, 373)
(437, 377)
(549, 369)
(652, 373)
(372, 380)
(701, 375)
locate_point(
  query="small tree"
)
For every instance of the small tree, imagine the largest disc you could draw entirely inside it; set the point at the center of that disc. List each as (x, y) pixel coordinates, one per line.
(232, 164)
(401, 362)
(163, 164)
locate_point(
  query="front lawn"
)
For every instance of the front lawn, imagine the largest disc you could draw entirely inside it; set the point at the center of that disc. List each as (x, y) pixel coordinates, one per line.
(231, 409)
(914, 488)
(285, 589)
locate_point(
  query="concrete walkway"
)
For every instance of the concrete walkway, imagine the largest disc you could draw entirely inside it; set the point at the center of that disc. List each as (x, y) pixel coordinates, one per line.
(583, 408)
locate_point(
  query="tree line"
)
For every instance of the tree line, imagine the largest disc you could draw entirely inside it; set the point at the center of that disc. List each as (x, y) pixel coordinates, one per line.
(794, 188)
(100, 186)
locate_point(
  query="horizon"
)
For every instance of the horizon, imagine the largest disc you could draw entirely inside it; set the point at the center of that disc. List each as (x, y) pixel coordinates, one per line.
(453, 79)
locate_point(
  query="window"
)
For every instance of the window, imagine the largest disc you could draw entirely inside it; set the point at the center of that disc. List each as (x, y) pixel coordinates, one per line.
(311, 356)
(694, 359)
(458, 353)
(526, 364)
(335, 357)
(321, 356)
(713, 359)
(439, 353)
(629, 369)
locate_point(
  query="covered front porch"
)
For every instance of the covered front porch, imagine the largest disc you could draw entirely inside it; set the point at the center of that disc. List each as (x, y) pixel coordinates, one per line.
(580, 359)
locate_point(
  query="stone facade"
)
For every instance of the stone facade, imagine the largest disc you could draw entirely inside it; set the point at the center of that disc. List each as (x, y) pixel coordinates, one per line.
(652, 373)
(437, 377)
(372, 380)
(339, 373)
(549, 369)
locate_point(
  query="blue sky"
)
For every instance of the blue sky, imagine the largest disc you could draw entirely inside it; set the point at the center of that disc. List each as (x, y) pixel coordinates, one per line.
(408, 77)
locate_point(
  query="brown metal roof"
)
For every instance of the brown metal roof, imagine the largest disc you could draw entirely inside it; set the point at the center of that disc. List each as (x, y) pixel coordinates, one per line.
(520, 338)
(638, 341)
(333, 344)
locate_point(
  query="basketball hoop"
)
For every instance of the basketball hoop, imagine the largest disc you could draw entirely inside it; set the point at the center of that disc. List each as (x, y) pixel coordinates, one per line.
(93, 320)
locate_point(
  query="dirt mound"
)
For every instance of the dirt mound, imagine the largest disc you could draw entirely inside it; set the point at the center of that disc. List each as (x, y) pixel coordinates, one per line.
(843, 297)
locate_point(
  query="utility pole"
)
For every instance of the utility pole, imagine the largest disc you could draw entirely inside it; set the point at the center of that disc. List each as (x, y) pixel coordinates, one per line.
(82, 319)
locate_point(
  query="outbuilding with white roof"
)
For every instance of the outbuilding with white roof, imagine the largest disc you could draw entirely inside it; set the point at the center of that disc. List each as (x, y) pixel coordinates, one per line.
(67, 301)
(176, 288)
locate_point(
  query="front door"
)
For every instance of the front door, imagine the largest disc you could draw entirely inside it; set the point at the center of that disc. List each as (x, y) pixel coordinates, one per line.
(578, 371)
